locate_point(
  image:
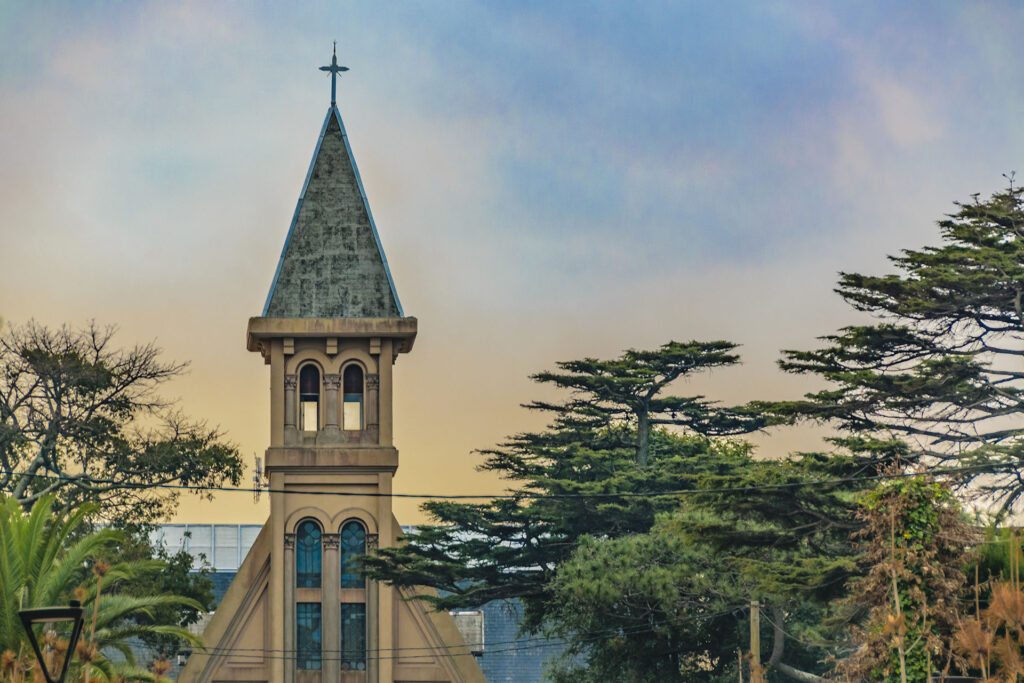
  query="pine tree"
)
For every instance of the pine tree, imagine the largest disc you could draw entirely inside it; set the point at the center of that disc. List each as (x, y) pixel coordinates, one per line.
(590, 473)
(940, 367)
(671, 604)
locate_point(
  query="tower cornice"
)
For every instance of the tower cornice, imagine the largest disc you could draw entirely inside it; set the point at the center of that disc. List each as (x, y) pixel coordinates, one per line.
(261, 330)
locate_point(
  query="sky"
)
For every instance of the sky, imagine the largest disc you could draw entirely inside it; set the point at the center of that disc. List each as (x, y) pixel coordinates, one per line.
(549, 180)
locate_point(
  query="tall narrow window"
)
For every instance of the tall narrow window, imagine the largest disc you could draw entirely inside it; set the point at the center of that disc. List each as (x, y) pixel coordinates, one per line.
(353, 544)
(353, 611)
(308, 635)
(352, 412)
(353, 636)
(309, 398)
(308, 568)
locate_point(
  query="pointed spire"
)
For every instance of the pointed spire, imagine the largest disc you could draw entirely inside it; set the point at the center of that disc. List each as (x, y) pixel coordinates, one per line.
(332, 264)
(335, 70)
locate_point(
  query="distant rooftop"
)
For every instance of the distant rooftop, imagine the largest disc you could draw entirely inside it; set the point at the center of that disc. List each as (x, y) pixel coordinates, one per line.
(223, 546)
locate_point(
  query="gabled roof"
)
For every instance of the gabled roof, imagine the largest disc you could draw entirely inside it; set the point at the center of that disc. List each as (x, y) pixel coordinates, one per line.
(332, 264)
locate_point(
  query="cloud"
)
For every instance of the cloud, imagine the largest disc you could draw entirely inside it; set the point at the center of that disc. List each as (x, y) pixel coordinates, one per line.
(549, 180)
(907, 116)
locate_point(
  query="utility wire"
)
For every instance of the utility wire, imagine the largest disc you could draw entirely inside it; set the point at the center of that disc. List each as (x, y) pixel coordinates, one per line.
(531, 494)
(513, 645)
(538, 639)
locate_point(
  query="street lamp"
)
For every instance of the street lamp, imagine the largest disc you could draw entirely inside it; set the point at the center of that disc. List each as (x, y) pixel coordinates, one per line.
(48, 615)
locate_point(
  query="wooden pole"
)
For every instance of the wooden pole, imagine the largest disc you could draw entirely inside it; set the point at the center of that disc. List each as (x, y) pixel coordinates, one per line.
(755, 642)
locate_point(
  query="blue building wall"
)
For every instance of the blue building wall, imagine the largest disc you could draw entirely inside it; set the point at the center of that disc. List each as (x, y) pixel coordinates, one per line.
(507, 657)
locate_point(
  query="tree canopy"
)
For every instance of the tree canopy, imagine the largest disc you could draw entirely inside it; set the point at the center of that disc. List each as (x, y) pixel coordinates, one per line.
(629, 389)
(671, 604)
(940, 366)
(83, 420)
(592, 472)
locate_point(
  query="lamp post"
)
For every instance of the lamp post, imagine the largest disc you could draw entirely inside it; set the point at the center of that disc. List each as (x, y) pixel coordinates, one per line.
(48, 615)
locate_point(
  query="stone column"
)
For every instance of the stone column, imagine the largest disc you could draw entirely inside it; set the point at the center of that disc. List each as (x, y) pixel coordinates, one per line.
(384, 368)
(290, 652)
(372, 403)
(331, 606)
(373, 651)
(276, 588)
(332, 387)
(386, 595)
(291, 432)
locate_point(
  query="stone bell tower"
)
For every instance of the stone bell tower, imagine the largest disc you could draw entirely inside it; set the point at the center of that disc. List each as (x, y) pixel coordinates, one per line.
(331, 331)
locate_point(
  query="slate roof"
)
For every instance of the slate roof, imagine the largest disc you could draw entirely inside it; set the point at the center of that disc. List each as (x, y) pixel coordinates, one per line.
(332, 264)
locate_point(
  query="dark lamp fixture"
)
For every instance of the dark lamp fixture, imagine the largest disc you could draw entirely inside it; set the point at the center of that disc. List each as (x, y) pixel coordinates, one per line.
(49, 615)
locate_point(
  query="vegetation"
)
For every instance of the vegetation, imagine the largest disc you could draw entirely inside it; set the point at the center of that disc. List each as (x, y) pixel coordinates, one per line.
(990, 642)
(590, 473)
(46, 559)
(915, 548)
(172, 573)
(940, 367)
(671, 604)
(82, 420)
(645, 586)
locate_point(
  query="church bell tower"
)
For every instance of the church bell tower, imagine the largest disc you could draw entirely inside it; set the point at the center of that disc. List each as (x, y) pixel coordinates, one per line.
(331, 331)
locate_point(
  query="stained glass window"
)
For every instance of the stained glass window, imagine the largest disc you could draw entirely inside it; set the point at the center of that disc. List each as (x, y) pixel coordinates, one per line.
(352, 391)
(307, 555)
(353, 636)
(308, 639)
(353, 544)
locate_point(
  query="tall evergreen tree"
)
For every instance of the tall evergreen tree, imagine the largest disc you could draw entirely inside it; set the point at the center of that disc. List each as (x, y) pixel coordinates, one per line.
(941, 365)
(629, 390)
(590, 473)
(671, 604)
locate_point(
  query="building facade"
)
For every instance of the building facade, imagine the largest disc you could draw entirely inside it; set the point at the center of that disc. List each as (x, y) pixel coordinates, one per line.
(492, 632)
(331, 331)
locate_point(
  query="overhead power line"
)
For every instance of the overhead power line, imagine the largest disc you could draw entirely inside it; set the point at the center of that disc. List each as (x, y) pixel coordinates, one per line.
(990, 468)
(463, 650)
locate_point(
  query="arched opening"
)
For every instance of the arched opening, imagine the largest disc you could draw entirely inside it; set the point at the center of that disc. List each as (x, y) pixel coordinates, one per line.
(353, 544)
(353, 607)
(308, 615)
(308, 555)
(309, 398)
(352, 389)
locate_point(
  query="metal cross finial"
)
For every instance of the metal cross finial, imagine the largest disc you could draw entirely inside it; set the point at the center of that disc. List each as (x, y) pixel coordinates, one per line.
(335, 70)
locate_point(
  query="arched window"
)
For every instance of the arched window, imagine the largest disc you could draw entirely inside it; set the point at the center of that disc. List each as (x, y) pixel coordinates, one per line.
(308, 558)
(353, 610)
(353, 544)
(352, 410)
(309, 398)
